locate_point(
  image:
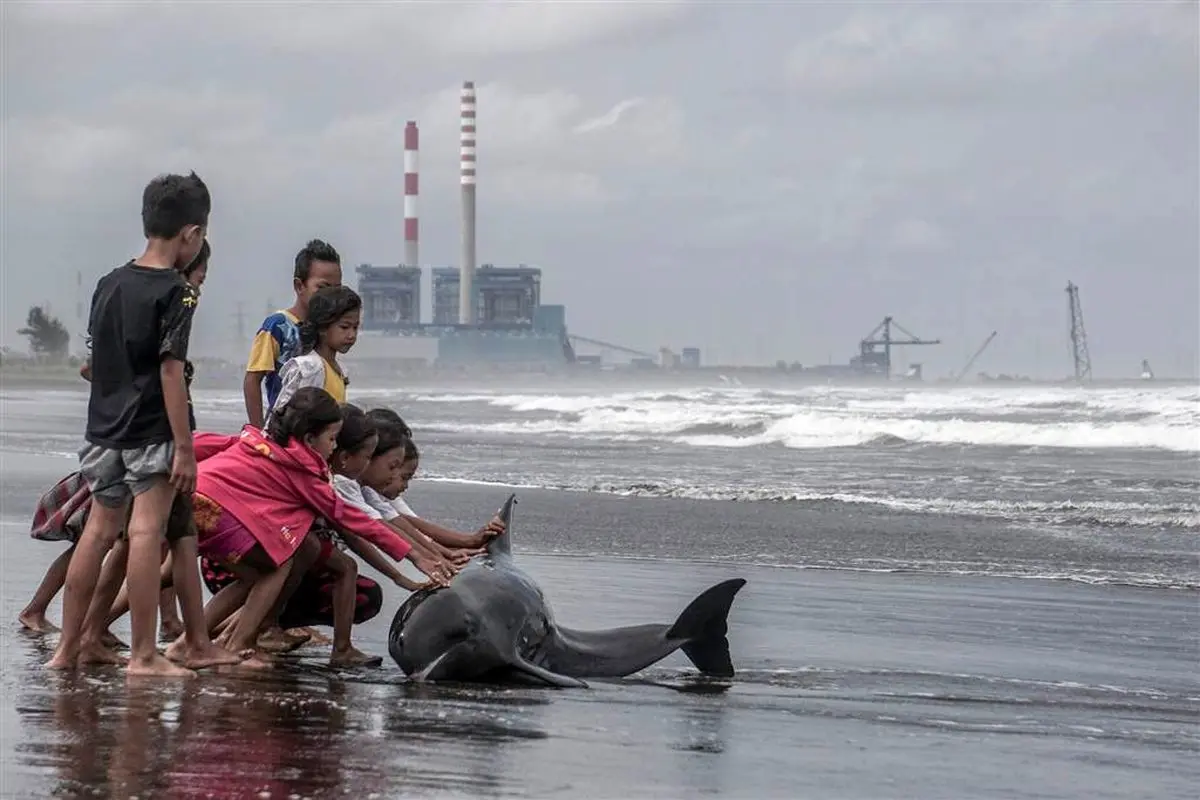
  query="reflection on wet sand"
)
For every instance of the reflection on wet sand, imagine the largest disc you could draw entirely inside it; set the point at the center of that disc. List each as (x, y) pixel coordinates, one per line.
(296, 732)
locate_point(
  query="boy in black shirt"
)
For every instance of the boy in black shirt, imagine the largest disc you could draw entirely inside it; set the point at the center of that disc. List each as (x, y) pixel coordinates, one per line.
(139, 446)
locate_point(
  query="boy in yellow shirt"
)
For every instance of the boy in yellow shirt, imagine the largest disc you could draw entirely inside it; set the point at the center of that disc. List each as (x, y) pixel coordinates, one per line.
(278, 338)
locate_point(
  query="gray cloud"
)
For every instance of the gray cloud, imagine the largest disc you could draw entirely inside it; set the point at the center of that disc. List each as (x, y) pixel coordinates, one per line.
(762, 181)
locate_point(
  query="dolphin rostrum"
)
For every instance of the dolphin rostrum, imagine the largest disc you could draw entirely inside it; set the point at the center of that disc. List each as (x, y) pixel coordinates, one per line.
(492, 624)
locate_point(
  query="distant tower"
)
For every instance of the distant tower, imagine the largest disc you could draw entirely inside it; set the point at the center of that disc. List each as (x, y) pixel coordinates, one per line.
(1079, 343)
(466, 278)
(411, 190)
(1147, 373)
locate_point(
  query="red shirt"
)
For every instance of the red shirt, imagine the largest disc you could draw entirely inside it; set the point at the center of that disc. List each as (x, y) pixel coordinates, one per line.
(277, 491)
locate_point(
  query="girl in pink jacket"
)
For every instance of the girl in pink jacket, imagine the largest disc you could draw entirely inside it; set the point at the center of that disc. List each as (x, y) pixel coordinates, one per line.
(257, 496)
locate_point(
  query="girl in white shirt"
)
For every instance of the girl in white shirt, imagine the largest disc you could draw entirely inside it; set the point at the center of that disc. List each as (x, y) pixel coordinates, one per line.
(456, 546)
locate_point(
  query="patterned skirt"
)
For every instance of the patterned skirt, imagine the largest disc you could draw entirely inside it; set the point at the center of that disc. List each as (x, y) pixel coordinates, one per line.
(312, 602)
(220, 537)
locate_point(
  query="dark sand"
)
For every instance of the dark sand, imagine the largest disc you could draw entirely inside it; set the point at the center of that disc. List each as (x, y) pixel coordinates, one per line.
(851, 684)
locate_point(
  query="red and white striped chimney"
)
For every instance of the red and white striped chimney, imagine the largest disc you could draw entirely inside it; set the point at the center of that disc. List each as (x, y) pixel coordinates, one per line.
(411, 190)
(466, 275)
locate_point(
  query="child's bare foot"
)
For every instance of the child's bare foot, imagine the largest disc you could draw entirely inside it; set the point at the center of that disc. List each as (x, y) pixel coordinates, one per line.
(212, 655)
(93, 652)
(61, 661)
(36, 622)
(316, 636)
(277, 641)
(251, 659)
(109, 640)
(353, 657)
(156, 666)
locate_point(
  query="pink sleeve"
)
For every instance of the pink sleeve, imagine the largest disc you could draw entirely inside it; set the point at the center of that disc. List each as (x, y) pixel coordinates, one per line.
(325, 500)
(208, 445)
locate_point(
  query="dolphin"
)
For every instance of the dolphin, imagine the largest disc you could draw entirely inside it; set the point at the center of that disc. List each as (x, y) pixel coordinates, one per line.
(492, 625)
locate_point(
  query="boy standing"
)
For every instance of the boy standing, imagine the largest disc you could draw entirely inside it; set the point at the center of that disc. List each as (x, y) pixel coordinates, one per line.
(139, 445)
(278, 339)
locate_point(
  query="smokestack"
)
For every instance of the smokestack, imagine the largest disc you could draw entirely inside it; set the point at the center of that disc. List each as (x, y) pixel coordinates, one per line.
(411, 253)
(466, 277)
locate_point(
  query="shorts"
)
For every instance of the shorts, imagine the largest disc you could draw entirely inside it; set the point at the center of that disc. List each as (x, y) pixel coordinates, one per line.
(115, 476)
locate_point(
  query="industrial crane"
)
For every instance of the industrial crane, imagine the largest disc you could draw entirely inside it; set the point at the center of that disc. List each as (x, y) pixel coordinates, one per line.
(1079, 344)
(975, 357)
(870, 358)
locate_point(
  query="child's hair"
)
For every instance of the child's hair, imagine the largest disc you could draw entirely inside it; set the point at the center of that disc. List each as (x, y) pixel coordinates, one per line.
(410, 450)
(308, 412)
(200, 260)
(391, 436)
(315, 250)
(172, 202)
(357, 428)
(391, 417)
(325, 308)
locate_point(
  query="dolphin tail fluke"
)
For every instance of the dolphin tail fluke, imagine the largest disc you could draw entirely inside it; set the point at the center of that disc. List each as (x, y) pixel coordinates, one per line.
(703, 625)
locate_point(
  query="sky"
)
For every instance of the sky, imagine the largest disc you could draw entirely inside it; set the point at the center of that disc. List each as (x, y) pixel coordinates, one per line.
(761, 180)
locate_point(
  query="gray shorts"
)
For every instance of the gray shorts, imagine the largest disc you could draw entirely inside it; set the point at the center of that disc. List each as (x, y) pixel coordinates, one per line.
(114, 476)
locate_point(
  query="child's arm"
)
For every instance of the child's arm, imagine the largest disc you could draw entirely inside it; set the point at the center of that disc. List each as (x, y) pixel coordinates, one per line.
(261, 363)
(419, 539)
(370, 554)
(252, 393)
(172, 348)
(449, 538)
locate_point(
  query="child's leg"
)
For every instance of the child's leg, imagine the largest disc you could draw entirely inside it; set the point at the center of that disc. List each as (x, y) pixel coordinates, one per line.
(34, 616)
(153, 497)
(345, 590)
(104, 471)
(94, 649)
(262, 598)
(307, 554)
(225, 606)
(170, 625)
(120, 606)
(194, 648)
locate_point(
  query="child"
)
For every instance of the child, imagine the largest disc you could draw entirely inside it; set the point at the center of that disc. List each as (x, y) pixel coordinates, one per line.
(334, 314)
(257, 499)
(278, 339)
(386, 497)
(354, 599)
(193, 648)
(139, 446)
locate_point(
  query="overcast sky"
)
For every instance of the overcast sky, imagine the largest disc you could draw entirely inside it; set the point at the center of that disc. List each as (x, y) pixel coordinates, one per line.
(763, 181)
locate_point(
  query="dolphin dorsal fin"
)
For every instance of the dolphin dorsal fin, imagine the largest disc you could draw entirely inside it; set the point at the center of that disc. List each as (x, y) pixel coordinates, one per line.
(502, 544)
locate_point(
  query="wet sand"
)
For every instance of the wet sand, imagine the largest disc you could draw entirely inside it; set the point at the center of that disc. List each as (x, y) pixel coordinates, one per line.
(850, 685)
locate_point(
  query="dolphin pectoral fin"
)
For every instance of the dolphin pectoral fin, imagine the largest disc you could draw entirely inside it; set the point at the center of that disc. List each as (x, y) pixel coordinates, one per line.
(424, 674)
(551, 678)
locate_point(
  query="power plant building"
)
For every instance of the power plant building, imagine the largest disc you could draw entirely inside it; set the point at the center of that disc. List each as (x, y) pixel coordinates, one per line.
(391, 296)
(503, 295)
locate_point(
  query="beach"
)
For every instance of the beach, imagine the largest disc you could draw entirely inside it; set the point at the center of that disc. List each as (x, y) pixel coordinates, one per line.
(923, 617)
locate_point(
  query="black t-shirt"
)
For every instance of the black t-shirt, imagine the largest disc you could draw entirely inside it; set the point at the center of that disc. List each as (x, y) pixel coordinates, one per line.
(140, 316)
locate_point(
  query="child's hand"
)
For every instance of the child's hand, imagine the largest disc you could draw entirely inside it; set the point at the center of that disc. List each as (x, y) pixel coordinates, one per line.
(462, 555)
(405, 582)
(494, 528)
(439, 574)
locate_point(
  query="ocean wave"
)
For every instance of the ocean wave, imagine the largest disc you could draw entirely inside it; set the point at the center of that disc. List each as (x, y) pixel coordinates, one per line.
(1092, 514)
(823, 417)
